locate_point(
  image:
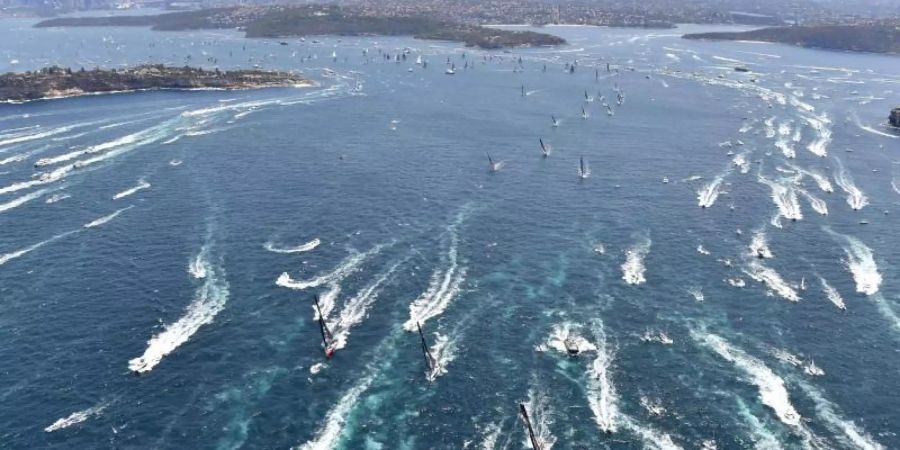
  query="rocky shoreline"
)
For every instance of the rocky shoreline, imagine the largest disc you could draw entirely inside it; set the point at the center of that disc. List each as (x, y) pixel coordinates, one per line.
(58, 82)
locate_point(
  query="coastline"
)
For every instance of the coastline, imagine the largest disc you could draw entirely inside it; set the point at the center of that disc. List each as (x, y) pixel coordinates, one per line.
(81, 93)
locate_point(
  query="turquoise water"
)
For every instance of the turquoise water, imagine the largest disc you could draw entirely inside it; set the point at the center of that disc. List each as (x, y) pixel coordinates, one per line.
(372, 190)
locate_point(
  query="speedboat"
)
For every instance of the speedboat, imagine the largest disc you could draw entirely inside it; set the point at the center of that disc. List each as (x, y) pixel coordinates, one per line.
(571, 346)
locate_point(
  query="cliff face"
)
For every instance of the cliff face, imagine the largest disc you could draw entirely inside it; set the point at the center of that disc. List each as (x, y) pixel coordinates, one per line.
(895, 117)
(58, 82)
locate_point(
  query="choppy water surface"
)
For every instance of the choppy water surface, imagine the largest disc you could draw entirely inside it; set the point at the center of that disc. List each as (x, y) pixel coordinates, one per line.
(712, 267)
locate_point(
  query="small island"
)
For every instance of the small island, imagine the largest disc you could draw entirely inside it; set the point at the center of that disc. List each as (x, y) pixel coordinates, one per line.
(859, 38)
(894, 118)
(58, 82)
(297, 21)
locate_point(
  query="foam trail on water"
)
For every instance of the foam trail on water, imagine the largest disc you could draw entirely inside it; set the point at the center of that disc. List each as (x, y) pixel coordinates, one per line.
(562, 331)
(5, 258)
(895, 184)
(849, 433)
(140, 186)
(772, 391)
(633, 268)
(817, 204)
(708, 194)
(355, 310)
(785, 198)
(272, 247)
(57, 197)
(107, 218)
(197, 266)
(17, 202)
(445, 284)
(819, 145)
(539, 412)
(653, 439)
(855, 118)
(886, 310)
(855, 197)
(444, 352)
(490, 436)
(76, 418)
(345, 268)
(832, 294)
(601, 391)
(772, 280)
(25, 137)
(209, 299)
(784, 143)
(328, 435)
(820, 179)
(860, 262)
(762, 437)
(759, 246)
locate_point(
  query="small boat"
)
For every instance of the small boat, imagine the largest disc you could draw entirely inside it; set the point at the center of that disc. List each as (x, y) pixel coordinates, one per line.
(545, 150)
(493, 166)
(554, 123)
(802, 283)
(584, 114)
(327, 338)
(451, 70)
(571, 346)
(665, 180)
(813, 370)
(583, 170)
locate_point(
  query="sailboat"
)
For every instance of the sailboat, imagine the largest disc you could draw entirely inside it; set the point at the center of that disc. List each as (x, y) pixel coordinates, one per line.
(584, 114)
(430, 363)
(583, 170)
(523, 90)
(554, 123)
(545, 150)
(327, 337)
(802, 283)
(451, 70)
(334, 56)
(609, 111)
(587, 97)
(419, 60)
(494, 166)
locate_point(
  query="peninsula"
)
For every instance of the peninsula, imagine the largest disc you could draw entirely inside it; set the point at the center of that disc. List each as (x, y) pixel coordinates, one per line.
(876, 38)
(296, 21)
(57, 82)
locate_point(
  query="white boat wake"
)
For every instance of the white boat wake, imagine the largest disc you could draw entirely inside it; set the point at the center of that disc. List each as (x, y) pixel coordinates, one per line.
(356, 309)
(107, 218)
(538, 407)
(832, 294)
(140, 186)
(444, 286)
(76, 418)
(209, 300)
(860, 262)
(771, 280)
(850, 434)
(855, 197)
(308, 246)
(708, 194)
(601, 391)
(772, 391)
(759, 246)
(344, 269)
(633, 268)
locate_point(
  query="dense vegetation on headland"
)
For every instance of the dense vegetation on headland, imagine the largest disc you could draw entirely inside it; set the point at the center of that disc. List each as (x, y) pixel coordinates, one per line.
(321, 20)
(55, 82)
(861, 38)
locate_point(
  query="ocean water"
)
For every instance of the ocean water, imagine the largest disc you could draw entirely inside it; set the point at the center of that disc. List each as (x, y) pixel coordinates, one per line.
(183, 235)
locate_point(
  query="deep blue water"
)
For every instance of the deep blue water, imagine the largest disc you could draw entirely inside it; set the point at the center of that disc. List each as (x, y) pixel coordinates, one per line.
(387, 169)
